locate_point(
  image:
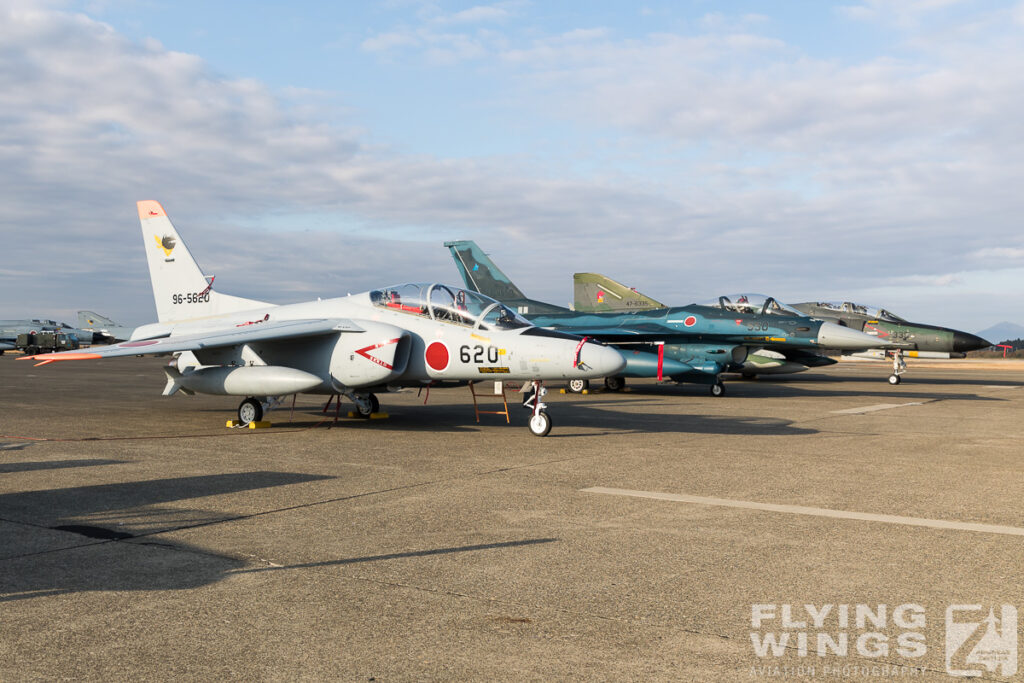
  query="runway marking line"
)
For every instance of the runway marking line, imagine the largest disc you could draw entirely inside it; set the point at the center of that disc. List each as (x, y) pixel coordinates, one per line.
(814, 512)
(878, 406)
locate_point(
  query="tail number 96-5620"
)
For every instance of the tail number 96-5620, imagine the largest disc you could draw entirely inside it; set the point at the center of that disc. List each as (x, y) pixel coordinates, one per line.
(478, 354)
(191, 298)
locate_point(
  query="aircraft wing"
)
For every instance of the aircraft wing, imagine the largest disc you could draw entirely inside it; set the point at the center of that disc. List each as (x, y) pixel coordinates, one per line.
(4, 346)
(245, 334)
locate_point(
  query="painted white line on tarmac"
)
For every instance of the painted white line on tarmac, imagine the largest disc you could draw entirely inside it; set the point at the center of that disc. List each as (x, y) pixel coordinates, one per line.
(815, 512)
(871, 409)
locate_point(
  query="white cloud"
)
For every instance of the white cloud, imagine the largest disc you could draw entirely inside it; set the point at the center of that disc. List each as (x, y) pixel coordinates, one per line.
(383, 42)
(480, 13)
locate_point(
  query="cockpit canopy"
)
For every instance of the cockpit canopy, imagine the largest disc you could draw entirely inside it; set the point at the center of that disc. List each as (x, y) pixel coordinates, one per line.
(448, 304)
(758, 304)
(841, 307)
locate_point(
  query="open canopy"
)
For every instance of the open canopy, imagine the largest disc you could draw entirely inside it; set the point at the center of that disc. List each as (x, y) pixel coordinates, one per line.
(448, 304)
(859, 309)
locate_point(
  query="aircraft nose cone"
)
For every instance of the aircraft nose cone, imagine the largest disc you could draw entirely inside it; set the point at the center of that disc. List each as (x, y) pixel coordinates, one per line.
(601, 361)
(832, 336)
(964, 342)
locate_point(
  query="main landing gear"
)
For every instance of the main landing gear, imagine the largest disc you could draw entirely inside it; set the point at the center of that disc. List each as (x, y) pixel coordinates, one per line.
(253, 409)
(717, 389)
(614, 383)
(540, 421)
(366, 405)
(250, 410)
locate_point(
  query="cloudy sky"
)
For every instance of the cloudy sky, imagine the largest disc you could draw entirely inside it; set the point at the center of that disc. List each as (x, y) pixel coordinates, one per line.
(869, 150)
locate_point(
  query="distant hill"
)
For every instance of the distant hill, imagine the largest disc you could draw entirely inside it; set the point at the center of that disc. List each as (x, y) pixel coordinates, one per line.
(1002, 331)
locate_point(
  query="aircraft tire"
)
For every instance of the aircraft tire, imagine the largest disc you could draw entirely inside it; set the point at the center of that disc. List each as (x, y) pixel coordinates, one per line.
(717, 389)
(374, 406)
(540, 424)
(578, 386)
(614, 383)
(250, 410)
(894, 379)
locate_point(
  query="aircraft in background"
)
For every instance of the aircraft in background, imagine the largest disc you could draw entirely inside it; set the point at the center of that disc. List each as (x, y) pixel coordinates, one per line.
(916, 340)
(686, 343)
(353, 346)
(596, 293)
(10, 329)
(107, 328)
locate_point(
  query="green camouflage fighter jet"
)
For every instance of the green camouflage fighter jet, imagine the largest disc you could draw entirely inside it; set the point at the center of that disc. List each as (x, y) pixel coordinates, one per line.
(685, 344)
(916, 340)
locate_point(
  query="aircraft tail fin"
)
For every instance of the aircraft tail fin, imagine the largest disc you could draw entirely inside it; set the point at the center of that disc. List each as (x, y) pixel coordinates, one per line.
(180, 290)
(595, 293)
(88, 320)
(479, 272)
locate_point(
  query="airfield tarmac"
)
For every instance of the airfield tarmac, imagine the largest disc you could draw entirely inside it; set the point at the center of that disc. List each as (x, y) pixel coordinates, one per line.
(426, 546)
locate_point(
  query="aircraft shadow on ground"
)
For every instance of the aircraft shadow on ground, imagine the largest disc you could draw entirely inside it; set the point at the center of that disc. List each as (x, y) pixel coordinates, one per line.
(450, 418)
(605, 415)
(882, 378)
(15, 446)
(778, 390)
(93, 558)
(10, 467)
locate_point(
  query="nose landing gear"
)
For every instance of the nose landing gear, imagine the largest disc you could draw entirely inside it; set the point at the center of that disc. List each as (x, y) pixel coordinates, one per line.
(540, 421)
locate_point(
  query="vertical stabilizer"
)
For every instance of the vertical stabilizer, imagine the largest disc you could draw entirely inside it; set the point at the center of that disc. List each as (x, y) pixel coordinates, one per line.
(480, 274)
(179, 288)
(595, 293)
(90, 319)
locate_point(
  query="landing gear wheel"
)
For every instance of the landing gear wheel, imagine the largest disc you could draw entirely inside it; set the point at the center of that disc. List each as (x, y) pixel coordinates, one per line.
(614, 383)
(250, 410)
(718, 389)
(894, 379)
(540, 424)
(374, 407)
(578, 386)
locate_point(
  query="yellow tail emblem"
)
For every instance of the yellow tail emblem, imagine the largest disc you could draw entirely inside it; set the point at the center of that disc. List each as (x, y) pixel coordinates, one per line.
(167, 243)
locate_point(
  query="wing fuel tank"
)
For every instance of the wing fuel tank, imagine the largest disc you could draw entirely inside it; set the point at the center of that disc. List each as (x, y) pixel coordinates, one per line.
(257, 380)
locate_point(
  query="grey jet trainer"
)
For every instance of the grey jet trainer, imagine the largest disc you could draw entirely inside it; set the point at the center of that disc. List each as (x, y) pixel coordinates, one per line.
(354, 346)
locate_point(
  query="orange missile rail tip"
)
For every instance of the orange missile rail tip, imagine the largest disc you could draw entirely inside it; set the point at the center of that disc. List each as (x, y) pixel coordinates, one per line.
(46, 359)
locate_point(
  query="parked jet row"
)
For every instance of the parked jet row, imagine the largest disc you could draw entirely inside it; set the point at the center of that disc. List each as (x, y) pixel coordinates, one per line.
(896, 338)
(597, 293)
(683, 343)
(354, 346)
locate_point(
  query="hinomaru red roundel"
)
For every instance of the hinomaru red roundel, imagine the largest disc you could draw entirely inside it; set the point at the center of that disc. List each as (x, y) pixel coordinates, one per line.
(437, 356)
